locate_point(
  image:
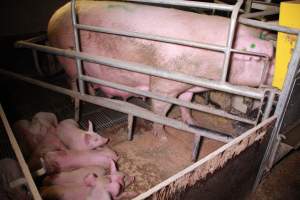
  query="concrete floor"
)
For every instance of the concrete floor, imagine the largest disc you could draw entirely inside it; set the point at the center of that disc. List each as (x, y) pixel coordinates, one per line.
(283, 181)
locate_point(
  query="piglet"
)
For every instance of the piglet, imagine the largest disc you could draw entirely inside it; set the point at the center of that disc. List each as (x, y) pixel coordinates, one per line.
(77, 139)
(49, 143)
(105, 186)
(65, 160)
(31, 133)
(74, 177)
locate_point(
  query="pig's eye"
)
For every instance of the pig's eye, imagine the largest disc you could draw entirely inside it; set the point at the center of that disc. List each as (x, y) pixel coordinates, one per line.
(95, 175)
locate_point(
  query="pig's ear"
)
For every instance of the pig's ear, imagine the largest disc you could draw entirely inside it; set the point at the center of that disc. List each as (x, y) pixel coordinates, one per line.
(91, 128)
(113, 168)
(90, 180)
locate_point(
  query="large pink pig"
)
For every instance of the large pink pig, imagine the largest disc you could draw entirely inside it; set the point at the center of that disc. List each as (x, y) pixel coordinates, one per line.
(75, 138)
(245, 70)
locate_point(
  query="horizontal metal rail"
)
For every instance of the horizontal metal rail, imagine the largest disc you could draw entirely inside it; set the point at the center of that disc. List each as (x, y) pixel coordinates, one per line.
(260, 14)
(268, 26)
(189, 4)
(151, 37)
(165, 39)
(255, 93)
(172, 100)
(124, 107)
(24, 167)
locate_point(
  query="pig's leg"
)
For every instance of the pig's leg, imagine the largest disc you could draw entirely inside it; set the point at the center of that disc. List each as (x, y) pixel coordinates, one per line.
(185, 112)
(165, 88)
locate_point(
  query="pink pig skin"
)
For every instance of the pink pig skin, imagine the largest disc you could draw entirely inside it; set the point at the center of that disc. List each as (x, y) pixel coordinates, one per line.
(75, 138)
(49, 143)
(174, 23)
(59, 161)
(73, 177)
(65, 192)
(31, 133)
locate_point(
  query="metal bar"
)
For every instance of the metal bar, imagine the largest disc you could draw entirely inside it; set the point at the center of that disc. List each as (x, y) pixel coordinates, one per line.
(130, 126)
(271, 97)
(248, 6)
(265, 25)
(36, 62)
(172, 100)
(187, 4)
(24, 167)
(77, 60)
(165, 39)
(124, 107)
(260, 14)
(230, 39)
(154, 71)
(280, 111)
(196, 148)
(77, 45)
(152, 37)
(38, 38)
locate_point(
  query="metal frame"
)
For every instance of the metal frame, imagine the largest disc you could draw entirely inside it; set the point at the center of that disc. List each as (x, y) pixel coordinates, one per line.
(217, 85)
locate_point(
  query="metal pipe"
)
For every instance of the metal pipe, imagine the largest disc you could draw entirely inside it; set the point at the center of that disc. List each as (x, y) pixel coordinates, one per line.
(230, 38)
(172, 100)
(280, 111)
(124, 107)
(130, 127)
(187, 4)
(248, 6)
(154, 71)
(152, 37)
(260, 14)
(77, 46)
(265, 25)
(36, 62)
(24, 167)
(165, 39)
(271, 97)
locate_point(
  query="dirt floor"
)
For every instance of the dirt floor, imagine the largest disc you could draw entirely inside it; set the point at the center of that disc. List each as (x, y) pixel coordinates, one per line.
(283, 182)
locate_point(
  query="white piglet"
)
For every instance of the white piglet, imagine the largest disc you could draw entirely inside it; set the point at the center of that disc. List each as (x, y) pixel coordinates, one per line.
(75, 138)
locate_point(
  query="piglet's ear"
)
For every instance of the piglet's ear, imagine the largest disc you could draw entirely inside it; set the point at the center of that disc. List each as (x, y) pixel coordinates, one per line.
(90, 180)
(113, 168)
(91, 128)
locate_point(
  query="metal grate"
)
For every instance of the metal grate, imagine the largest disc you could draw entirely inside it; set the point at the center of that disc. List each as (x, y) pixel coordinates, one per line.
(103, 118)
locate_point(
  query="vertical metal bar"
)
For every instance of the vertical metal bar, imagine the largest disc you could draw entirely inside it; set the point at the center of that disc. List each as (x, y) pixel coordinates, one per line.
(78, 61)
(271, 97)
(130, 126)
(36, 62)
(196, 148)
(230, 37)
(248, 6)
(280, 111)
